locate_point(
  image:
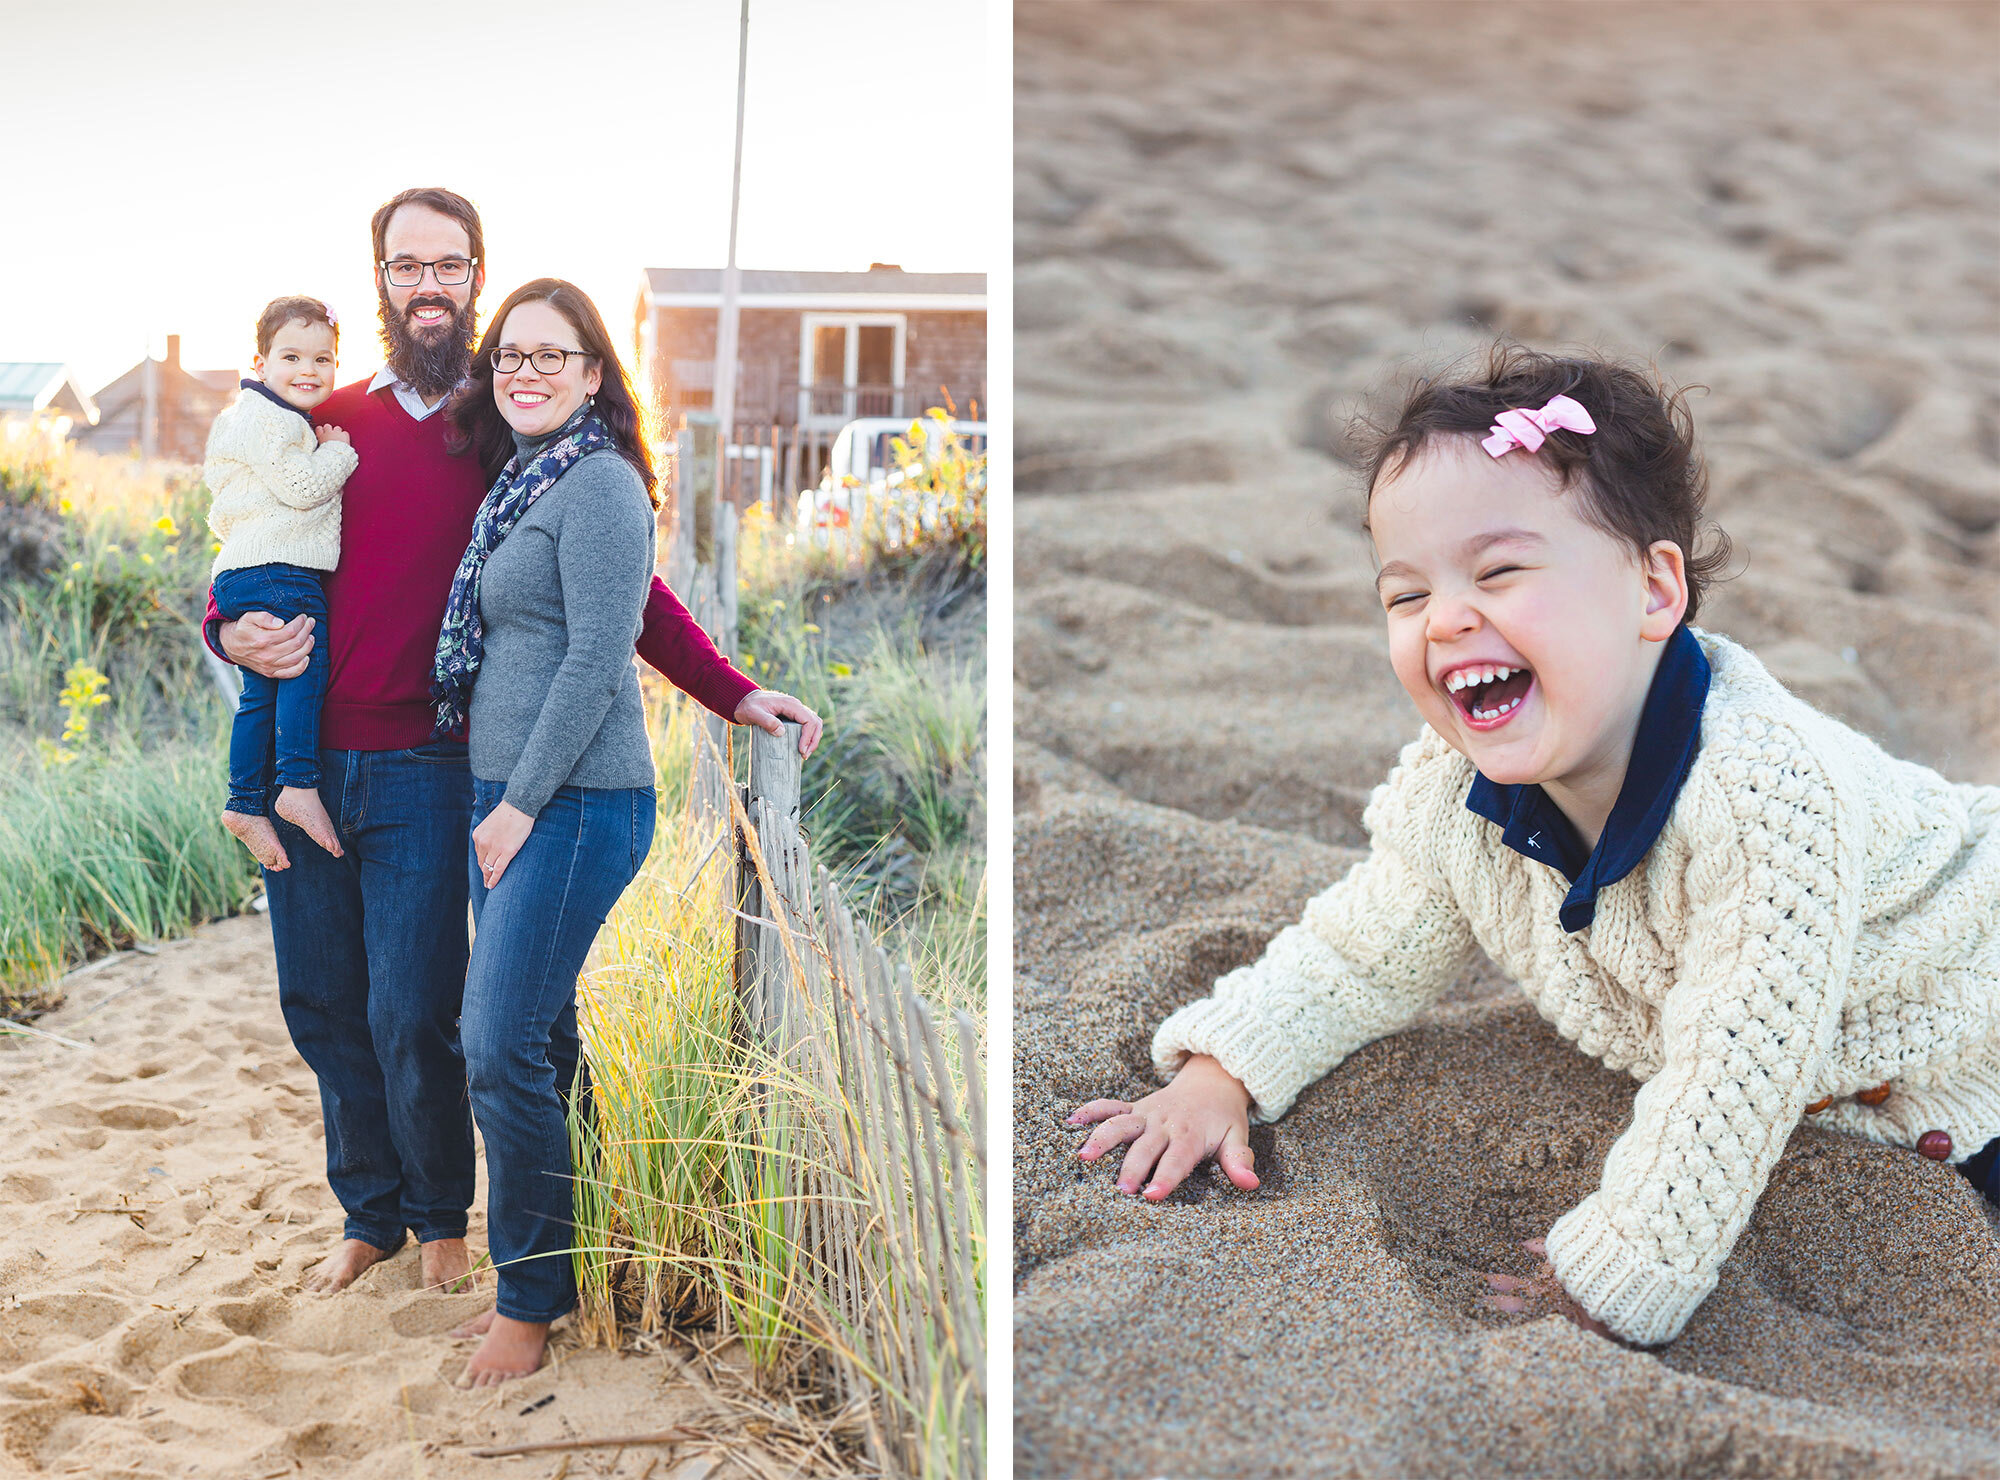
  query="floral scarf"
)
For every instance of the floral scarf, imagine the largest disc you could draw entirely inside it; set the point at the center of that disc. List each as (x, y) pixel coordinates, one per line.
(461, 643)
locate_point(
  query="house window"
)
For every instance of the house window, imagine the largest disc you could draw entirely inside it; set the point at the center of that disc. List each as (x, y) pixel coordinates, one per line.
(850, 365)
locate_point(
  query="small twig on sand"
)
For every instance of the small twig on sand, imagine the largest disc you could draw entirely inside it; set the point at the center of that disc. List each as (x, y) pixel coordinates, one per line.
(675, 1435)
(137, 1215)
(6, 1027)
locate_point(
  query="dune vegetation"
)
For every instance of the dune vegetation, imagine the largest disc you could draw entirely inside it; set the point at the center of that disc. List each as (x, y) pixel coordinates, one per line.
(112, 731)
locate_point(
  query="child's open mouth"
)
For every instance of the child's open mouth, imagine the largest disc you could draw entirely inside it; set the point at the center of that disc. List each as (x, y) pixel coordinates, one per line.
(1488, 697)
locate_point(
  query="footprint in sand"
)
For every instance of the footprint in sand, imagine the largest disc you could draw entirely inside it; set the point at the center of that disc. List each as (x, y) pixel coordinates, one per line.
(27, 1187)
(54, 1406)
(280, 1387)
(158, 1339)
(45, 1326)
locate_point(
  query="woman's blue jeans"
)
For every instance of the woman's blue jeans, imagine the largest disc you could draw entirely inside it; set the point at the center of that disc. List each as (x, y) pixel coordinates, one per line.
(532, 932)
(275, 716)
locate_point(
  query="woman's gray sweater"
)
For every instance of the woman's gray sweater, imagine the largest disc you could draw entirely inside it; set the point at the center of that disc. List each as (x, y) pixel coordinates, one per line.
(556, 699)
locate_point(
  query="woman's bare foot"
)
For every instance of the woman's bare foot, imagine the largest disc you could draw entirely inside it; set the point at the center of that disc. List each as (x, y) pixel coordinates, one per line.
(257, 834)
(343, 1266)
(479, 1325)
(511, 1349)
(446, 1265)
(301, 806)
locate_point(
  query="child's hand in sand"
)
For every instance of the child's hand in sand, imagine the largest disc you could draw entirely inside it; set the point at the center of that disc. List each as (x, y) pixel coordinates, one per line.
(1204, 1112)
(1542, 1293)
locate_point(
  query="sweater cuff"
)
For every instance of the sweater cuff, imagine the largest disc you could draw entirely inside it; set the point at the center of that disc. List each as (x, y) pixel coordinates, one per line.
(1254, 1051)
(526, 796)
(1641, 1300)
(724, 690)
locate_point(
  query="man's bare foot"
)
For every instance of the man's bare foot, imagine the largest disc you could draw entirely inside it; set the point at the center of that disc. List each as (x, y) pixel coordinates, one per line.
(446, 1265)
(479, 1325)
(257, 834)
(301, 806)
(511, 1349)
(342, 1266)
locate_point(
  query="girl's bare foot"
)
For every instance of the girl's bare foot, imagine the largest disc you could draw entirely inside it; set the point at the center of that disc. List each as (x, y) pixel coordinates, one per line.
(343, 1266)
(446, 1265)
(511, 1349)
(257, 834)
(301, 806)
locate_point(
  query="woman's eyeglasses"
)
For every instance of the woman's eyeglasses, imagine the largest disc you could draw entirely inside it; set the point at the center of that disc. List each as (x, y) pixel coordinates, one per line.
(547, 361)
(449, 271)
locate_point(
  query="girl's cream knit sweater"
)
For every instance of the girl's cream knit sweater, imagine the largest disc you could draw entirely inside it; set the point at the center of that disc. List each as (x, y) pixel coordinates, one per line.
(1816, 918)
(276, 489)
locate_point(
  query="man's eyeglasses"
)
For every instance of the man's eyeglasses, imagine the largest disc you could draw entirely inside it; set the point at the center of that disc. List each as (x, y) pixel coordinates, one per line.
(547, 361)
(449, 271)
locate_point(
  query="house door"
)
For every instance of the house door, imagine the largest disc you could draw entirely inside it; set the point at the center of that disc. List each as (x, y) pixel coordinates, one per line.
(850, 365)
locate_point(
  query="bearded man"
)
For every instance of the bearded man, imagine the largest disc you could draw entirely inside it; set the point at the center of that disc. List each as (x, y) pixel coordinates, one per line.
(372, 943)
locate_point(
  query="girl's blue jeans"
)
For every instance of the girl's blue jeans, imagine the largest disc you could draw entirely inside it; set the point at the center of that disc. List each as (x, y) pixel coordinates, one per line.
(275, 717)
(523, 1059)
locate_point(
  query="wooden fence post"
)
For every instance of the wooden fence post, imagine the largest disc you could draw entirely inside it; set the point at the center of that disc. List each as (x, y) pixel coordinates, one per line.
(695, 483)
(763, 979)
(726, 547)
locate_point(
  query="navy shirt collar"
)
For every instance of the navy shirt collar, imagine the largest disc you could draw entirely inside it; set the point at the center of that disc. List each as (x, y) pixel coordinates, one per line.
(273, 397)
(1662, 751)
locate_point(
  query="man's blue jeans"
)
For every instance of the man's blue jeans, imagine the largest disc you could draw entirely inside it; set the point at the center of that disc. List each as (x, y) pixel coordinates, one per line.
(532, 932)
(275, 717)
(371, 972)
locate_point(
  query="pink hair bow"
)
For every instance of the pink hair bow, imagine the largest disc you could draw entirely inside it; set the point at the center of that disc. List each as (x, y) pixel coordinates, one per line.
(1522, 427)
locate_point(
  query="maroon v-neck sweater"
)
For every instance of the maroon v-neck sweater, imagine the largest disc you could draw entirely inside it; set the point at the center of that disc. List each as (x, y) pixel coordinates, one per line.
(405, 520)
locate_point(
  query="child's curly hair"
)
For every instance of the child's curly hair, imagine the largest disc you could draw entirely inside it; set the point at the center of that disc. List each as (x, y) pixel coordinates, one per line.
(294, 309)
(1643, 478)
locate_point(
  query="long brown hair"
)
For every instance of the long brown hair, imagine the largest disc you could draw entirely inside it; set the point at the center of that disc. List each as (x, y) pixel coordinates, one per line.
(1639, 478)
(477, 419)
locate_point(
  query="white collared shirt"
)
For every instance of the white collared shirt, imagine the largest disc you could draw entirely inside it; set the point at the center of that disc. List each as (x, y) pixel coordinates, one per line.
(406, 394)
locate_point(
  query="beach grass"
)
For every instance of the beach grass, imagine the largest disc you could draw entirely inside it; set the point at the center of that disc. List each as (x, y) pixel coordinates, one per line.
(111, 731)
(115, 847)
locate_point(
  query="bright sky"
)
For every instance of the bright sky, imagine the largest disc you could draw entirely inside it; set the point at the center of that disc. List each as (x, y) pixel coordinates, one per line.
(175, 167)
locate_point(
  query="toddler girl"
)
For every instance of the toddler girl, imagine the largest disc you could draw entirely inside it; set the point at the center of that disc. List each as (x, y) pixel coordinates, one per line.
(1696, 877)
(276, 481)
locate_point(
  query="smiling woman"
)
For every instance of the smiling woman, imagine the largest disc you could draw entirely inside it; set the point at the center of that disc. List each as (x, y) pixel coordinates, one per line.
(532, 399)
(536, 651)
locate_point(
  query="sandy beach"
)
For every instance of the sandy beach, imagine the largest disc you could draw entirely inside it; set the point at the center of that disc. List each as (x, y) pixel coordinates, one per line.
(1232, 224)
(164, 1188)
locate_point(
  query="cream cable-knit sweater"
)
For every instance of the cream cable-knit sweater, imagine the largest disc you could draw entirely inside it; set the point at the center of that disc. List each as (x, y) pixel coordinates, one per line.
(1816, 918)
(276, 488)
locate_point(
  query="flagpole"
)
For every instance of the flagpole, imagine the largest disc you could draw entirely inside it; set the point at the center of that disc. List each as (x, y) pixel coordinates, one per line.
(725, 337)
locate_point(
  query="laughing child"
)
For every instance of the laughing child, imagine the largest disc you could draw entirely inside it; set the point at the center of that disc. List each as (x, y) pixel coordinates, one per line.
(1696, 877)
(276, 479)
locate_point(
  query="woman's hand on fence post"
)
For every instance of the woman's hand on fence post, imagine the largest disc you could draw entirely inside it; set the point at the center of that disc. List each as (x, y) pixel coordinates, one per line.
(767, 709)
(1204, 1112)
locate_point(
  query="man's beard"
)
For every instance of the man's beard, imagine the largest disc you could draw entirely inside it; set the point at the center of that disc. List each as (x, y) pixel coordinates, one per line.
(436, 361)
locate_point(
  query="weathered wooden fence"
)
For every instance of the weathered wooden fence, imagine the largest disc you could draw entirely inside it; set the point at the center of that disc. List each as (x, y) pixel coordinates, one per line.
(886, 1203)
